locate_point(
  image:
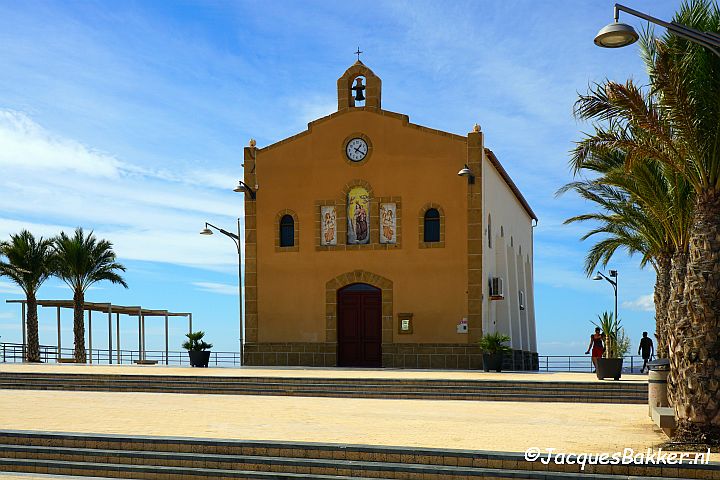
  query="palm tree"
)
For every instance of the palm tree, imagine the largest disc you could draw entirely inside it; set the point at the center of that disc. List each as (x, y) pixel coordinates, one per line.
(682, 133)
(82, 261)
(29, 264)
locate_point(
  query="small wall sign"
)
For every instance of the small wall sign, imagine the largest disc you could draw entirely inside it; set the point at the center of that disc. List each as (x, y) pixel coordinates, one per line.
(405, 324)
(462, 327)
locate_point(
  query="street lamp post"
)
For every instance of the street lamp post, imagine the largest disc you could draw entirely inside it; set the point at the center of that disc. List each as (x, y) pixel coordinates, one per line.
(235, 238)
(618, 34)
(614, 283)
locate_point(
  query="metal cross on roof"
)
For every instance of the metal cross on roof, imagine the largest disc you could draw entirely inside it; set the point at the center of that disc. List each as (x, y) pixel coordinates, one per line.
(358, 53)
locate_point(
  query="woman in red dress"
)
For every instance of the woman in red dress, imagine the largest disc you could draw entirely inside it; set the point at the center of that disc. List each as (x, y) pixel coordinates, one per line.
(597, 344)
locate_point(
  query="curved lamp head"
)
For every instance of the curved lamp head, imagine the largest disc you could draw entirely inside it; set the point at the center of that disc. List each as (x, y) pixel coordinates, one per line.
(243, 188)
(206, 231)
(465, 172)
(616, 35)
(597, 277)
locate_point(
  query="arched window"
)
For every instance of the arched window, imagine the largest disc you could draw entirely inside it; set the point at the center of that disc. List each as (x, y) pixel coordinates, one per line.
(287, 231)
(431, 225)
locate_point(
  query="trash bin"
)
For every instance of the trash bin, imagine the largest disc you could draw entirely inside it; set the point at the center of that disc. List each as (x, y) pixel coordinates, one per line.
(657, 384)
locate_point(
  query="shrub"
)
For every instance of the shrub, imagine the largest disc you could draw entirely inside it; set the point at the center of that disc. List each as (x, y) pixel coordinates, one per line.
(195, 342)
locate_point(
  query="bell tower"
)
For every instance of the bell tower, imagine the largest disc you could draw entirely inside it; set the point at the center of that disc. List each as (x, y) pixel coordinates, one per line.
(359, 83)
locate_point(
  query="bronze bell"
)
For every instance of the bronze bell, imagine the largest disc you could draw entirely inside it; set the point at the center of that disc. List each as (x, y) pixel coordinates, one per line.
(359, 87)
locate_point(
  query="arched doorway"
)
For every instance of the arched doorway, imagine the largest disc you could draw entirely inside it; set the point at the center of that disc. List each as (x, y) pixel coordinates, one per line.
(359, 326)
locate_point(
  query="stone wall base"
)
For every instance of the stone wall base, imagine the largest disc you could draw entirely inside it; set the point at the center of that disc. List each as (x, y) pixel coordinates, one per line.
(394, 355)
(305, 354)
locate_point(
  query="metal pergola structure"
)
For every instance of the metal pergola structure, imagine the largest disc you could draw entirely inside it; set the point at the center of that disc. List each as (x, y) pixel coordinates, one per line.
(109, 309)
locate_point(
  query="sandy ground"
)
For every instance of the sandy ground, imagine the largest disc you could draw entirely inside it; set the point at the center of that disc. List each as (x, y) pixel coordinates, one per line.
(499, 426)
(310, 372)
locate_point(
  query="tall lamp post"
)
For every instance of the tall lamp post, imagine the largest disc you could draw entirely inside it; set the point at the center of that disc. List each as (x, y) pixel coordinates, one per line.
(235, 238)
(614, 283)
(618, 34)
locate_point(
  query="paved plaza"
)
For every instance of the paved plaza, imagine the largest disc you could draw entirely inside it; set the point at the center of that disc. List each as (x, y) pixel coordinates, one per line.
(309, 372)
(475, 425)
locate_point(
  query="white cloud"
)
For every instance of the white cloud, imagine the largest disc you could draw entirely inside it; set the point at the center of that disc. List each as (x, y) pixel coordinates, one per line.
(220, 288)
(148, 215)
(8, 287)
(644, 303)
(26, 145)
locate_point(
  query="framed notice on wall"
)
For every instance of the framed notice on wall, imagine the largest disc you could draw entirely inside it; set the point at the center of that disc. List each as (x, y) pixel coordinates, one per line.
(405, 323)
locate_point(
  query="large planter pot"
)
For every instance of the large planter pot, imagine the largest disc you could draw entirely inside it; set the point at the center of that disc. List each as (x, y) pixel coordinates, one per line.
(609, 368)
(199, 359)
(492, 361)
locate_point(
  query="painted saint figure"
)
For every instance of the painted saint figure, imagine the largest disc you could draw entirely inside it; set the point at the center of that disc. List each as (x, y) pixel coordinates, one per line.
(361, 226)
(388, 225)
(328, 222)
(388, 230)
(329, 227)
(358, 210)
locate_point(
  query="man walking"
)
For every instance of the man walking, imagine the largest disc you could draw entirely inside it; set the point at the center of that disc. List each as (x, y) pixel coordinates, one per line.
(646, 349)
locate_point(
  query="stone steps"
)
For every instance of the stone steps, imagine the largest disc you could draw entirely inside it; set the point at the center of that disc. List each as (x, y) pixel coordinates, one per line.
(118, 456)
(486, 390)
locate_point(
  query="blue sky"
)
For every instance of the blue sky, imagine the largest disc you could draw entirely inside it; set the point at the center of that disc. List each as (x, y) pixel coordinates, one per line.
(129, 118)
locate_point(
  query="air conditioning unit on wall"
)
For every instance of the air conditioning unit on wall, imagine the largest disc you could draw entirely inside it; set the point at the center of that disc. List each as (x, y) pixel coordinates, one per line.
(496, 289)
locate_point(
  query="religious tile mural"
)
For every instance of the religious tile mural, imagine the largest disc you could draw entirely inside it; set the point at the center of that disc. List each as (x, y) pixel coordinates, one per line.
(358, 216)
(388, 223)
(328, 229)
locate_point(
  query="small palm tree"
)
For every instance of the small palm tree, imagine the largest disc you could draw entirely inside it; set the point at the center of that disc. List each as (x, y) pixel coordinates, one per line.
(83, 260)
(29, 264)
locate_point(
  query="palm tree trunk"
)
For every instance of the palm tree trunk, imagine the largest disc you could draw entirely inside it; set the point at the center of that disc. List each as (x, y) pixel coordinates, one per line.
(697, 352)
(677, 321)
(79, 326)
(32, 354)
(662, 295)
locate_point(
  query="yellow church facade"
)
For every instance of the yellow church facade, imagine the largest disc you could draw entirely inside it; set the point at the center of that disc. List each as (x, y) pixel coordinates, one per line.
(364, 247)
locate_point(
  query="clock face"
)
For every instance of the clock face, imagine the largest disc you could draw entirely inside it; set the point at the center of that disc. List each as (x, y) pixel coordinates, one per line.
(356, 149)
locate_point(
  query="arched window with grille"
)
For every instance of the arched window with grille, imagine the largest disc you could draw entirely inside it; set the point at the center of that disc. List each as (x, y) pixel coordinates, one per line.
(431, 225)
(287, 231)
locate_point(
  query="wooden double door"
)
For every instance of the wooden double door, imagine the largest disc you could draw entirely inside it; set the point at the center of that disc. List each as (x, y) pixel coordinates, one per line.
(359, 332)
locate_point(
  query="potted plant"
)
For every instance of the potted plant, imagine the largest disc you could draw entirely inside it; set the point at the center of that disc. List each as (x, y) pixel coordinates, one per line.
(617, 345)
(198, 349)
(493, 346)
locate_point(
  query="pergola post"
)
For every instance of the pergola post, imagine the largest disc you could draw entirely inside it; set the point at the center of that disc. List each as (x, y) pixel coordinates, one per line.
(139, 335)
(24, 331)
(109, 334)
(59, 342)
(117, 335)
(143, 336)
(167, 345)
(90, 334)
(190, 322)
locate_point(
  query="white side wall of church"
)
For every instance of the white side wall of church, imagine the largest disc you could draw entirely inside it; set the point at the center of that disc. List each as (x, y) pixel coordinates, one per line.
(509, 256)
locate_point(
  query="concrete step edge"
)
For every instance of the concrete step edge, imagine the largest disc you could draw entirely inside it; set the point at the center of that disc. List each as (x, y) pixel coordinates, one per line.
(119, 469)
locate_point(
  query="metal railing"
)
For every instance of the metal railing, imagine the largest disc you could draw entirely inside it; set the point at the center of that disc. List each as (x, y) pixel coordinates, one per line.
(13, 353)
(583, 363)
